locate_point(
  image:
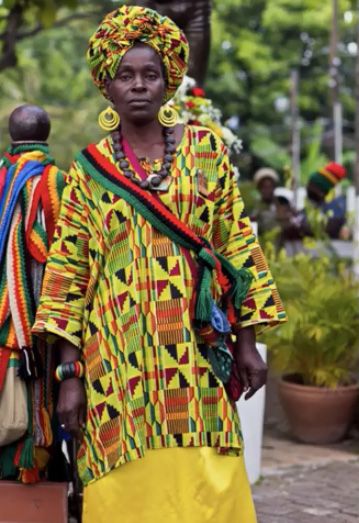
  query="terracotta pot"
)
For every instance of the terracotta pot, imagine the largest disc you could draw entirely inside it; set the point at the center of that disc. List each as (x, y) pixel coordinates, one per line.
(318, 415)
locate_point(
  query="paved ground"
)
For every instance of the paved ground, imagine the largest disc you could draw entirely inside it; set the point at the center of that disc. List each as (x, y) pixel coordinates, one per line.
(324, 494)
(306, 483)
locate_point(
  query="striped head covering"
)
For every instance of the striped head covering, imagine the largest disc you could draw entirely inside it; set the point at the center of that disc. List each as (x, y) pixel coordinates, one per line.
(121, 29)
(328, 176)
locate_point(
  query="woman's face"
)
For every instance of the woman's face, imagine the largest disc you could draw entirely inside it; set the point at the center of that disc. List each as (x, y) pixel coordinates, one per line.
(138, 89)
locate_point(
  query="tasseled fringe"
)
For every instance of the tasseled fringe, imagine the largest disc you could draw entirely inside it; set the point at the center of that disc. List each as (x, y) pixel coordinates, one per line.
(32, 475)
(29, 476)
(26, 457)
(204, 303)
(17, 457)
(241, 287)
(7, 465)
(241, 281)
(45, 425)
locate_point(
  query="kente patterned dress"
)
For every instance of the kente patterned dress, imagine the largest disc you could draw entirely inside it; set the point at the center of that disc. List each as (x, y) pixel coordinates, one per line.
(121, 292)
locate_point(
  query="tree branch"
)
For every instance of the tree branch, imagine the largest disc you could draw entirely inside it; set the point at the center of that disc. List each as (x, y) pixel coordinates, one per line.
(59, 23)
(9, 36)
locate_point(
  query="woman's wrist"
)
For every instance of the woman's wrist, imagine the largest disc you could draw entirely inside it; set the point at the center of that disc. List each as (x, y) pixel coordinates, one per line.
(246, 339)
(68, 352)
(69, 370)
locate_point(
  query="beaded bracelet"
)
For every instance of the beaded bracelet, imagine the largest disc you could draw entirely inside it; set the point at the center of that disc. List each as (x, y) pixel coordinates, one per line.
(71, 369)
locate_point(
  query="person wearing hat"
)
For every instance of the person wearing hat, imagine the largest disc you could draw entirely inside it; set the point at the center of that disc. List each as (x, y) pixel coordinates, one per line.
(266, 180)
(285, 208)
(154, 264)
(319, 185)
(287, 218)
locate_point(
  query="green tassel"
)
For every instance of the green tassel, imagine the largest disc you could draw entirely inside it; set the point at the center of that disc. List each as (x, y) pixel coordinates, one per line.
(241, 287)
(27, 454)
(204, 302)
(241, 281)
(7, 467)
(207, 258)
(26, 460)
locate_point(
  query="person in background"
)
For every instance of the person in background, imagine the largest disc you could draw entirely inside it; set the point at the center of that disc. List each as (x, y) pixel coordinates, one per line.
(319, 186)
(285, 207)
(286, 216)
(266, 180)
(333, 211)
(154, 262)
(30, 190)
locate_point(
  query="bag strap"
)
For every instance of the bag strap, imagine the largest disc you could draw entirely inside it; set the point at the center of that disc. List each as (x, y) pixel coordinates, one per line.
(234, 282)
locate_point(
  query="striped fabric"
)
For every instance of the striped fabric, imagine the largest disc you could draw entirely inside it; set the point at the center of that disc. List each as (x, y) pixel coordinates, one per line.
(30, 193)
(31, 183)
(121, 291)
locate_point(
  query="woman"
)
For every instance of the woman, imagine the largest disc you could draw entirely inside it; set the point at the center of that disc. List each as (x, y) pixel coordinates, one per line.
(120, 295)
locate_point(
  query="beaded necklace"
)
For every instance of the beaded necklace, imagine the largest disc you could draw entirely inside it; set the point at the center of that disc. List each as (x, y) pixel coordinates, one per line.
(159, 181)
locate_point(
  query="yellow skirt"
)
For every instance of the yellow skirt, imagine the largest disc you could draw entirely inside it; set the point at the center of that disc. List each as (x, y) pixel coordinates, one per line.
(179, 485)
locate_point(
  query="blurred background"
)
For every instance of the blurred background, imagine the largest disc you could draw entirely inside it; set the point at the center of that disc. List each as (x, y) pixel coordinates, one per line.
(277, 69)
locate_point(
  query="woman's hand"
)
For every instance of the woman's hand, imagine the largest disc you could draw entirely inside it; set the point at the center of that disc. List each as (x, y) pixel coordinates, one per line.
(71, 406)
(251, 368)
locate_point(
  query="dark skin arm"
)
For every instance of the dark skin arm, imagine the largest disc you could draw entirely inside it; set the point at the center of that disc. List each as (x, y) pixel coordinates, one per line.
(251, 368)
(71, 405)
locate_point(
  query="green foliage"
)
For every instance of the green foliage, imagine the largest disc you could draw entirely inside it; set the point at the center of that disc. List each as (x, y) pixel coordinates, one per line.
(52, 72)
(249, 194)
(320, 341)
(314, 158)
(270, 152)
(256, 44)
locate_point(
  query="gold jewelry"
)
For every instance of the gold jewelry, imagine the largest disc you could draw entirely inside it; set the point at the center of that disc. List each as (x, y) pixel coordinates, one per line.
(109, 119)
(168, 116)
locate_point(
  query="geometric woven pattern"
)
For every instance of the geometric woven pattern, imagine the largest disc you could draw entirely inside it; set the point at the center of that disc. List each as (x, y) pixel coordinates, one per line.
(122, 292)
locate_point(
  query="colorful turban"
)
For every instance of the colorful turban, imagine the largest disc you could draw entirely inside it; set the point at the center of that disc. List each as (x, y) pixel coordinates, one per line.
(327, 177)
(121, 29)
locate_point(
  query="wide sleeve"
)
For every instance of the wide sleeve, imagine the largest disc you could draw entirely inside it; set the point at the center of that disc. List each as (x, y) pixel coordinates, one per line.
(67, 273)
(233, 237)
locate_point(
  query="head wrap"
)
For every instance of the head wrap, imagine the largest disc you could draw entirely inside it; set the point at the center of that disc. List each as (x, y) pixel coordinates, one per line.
(121, 29)
(265, 172)
(328, 176)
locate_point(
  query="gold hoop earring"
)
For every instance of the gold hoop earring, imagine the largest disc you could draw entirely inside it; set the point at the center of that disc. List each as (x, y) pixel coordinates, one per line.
(108, 119)
(168, 116)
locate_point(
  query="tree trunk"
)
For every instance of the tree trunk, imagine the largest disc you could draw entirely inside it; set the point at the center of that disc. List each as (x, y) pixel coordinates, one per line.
(356, 169)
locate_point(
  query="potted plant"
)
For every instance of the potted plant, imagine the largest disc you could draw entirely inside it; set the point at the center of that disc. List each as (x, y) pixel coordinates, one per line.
(317, 350)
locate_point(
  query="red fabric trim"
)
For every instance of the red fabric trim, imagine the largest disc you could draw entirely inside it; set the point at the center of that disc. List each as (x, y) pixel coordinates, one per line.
(165, 213)
(33, 249)
(4, 360)
(3, 172)
(43, 194)
(127, 149)
(48, 206)
(142, 194)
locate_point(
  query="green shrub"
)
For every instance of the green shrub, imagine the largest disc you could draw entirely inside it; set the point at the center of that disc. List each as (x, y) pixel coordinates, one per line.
(320, 341)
